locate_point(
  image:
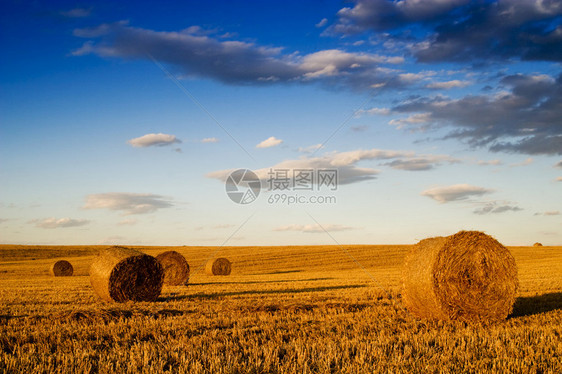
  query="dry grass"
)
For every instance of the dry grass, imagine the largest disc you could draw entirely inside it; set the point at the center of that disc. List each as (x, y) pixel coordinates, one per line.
(282, 310)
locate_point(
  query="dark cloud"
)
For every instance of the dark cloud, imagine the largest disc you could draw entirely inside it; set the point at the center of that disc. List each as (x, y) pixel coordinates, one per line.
(462, 30)
(199, 54)
(384, 15)
(527, 119)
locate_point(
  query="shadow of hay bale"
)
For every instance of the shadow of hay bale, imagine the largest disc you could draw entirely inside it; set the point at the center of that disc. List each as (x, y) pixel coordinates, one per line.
(528, 306)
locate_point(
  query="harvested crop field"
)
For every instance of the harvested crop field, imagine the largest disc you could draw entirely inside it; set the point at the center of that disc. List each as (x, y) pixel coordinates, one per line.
(281, 310)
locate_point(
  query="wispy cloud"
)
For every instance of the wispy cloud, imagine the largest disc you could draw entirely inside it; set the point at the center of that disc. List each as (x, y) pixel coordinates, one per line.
(209, 140)
(127, 222)
(421, 163)
(150, 140)
(559, 179)
(310, 148)
(448, 85)
(495, 162)
(526, 162)
(456, 192)
(54, 223)
(558, 165)
(128, 203)
(323, 22)
(272, 141)
(495, 207)
(314, 228)
(372, 112)
(76, 13)
(549, 213)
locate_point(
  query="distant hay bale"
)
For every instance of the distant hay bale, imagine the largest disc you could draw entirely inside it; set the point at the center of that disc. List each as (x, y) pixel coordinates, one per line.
(176, 268)
(537, 244)
(62, 268)
(468, 276)
(218, 266)
(123, 274)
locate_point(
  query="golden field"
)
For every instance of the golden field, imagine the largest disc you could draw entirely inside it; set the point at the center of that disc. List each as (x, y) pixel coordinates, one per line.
(314, 309)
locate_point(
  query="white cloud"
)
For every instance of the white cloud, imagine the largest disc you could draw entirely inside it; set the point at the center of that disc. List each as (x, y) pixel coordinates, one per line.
(558, 165)
(418, 118)
(314, 228)
(322, 23)
(149, 140)
(129, 203)
(53, 223)
(272, 141)
(449, 84)
(559, 179)
(445, 194)
(209, 140)
(333, 62)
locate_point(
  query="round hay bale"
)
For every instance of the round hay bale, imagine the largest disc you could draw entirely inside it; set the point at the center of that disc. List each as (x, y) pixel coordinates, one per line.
(468, 276)
(537, 244)
(124, 274)
(218, 266)
(176, 268)
(62, 268)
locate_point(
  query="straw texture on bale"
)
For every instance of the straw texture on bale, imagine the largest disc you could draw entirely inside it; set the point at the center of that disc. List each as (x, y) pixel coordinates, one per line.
(468, 276)
(124, 274)
(218, 266)
(176, 268)
(537, 244)
(62, 268)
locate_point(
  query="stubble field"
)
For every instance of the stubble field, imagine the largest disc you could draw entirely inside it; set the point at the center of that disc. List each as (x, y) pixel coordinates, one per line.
(316, 309)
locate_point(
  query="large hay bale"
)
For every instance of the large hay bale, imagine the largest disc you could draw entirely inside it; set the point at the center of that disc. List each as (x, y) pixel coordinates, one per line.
(176, 268)
(468, 276)
(124, 274)
(62, 268)
(537, 244)
(218, 266)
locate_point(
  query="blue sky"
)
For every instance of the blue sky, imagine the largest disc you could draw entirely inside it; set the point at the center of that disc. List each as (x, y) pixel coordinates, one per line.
(119, 123)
